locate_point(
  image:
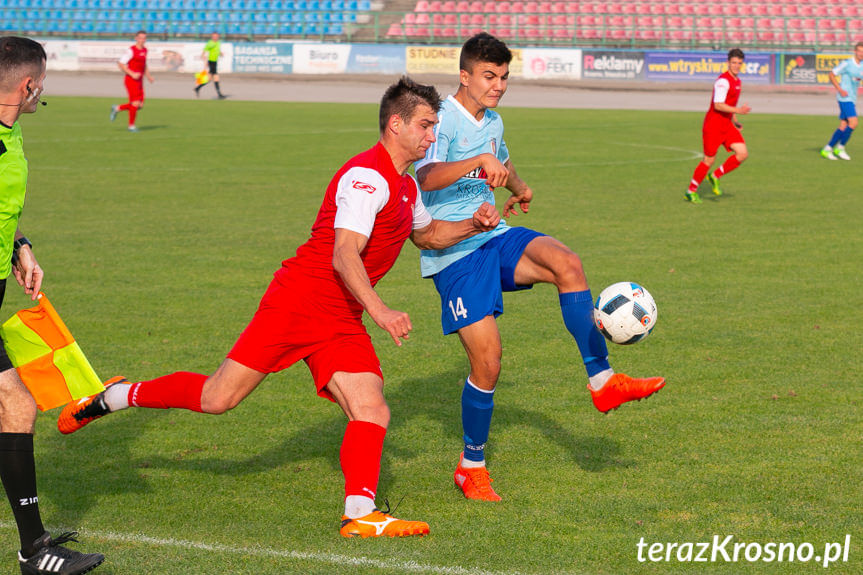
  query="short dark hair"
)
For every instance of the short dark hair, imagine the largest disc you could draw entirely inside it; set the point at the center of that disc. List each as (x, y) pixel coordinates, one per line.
(144, 32)
(483, 47)
(736, 53)
(858, 45)
(402, 99)
(19, 57)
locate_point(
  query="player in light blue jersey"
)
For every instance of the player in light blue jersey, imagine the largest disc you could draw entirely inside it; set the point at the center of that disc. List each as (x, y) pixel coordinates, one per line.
(459, 173)
(845, 78)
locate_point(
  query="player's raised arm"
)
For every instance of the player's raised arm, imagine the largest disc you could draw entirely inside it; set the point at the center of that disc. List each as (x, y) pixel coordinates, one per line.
(438, 175)
(440, 234)
(349, 265)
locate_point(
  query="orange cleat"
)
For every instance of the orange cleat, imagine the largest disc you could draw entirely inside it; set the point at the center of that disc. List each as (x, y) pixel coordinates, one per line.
(380, 524)
(79, 413)
(621, 388)
(474, 482)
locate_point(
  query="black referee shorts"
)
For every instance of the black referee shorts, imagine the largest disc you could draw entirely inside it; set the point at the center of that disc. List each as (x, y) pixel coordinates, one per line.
(5, 362)
(214, 67)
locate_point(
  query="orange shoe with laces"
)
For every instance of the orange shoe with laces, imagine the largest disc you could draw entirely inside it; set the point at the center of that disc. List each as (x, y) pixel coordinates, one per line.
(621, 388)
(79, 413)
(474, 482)
(380, 524)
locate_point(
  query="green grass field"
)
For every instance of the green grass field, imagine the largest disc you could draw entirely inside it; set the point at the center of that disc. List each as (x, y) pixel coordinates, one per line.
(157, 247)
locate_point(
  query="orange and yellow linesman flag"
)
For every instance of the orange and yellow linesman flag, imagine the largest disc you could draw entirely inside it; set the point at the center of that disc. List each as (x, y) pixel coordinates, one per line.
(47, 357)
(202, 77)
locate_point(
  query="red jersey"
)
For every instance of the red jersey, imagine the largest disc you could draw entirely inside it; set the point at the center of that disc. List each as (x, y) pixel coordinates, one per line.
(311, 271)
(726, 89)
(135, 59)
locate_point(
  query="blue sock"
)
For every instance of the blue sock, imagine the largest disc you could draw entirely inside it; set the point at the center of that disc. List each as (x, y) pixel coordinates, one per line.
(846, 136)
(476, 408)
(837, 136)
(577, 309)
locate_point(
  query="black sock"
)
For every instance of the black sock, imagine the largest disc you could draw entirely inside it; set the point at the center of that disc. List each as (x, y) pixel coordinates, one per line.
(199, 86)
(18, 473)
(218, 91)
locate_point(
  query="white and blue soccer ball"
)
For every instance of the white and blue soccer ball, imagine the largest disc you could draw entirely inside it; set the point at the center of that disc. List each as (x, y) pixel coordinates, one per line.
(625, 313)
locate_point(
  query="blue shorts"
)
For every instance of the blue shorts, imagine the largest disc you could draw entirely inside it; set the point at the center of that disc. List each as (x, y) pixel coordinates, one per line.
(847, 110)
(472, 288)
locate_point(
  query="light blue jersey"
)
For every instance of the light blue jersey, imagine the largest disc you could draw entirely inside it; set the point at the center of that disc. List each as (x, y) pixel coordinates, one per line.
(461, 136)
(850, 72)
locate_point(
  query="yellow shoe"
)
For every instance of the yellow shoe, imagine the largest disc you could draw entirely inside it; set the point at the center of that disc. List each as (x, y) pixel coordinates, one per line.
(474, 482)
(380, 524)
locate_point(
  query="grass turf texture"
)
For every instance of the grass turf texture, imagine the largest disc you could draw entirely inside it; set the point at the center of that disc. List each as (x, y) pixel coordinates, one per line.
(157, 247)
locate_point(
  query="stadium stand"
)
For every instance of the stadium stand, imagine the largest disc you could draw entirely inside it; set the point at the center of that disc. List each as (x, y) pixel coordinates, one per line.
(173, 18)
(660, 23)
(772, 24)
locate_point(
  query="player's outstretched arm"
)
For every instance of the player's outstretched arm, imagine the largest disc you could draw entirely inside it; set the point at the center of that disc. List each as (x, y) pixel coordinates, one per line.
(438, 175)
(441, 234)
(521, 193)
(349, 266)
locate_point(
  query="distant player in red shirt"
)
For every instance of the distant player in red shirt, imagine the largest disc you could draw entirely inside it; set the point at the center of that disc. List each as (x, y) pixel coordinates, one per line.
(313, 308)
(134, 65)
(721, 128)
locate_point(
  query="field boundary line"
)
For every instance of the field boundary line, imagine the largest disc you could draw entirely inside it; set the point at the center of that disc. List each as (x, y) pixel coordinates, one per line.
(319, 557)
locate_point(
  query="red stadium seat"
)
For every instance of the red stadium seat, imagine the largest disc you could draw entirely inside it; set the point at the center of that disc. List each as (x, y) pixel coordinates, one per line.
(855, 25)
(462, 7)
(448, 6)
(517, 7)
(395, 29)
(434, 6)
(545, 7)
(489, 7)
(410, 18)
(572, 7)
(503, 7)
(475, 7)
(422, 6)
(558, 7)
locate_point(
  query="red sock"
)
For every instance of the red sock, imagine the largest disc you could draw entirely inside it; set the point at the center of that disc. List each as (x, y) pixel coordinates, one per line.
(133, 111)
(124, 107)
(697, 177)
(360, 457)
(729, 166)
(182, 389)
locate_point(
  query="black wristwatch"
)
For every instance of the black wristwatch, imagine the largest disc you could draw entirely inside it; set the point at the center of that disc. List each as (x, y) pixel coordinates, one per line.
(22, 241)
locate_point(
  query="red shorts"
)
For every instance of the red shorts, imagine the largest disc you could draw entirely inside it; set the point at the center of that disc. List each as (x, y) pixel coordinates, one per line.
(135, 88)
(714, 136)
(284, 331)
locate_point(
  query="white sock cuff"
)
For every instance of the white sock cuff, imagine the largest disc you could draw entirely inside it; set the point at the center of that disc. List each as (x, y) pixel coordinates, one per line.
(117, 396)
(357, 506)
(467, 381)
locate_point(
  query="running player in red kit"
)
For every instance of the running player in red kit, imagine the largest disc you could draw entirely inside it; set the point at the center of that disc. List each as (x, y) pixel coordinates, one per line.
(134, 66)
(313, 308)
(721, 128)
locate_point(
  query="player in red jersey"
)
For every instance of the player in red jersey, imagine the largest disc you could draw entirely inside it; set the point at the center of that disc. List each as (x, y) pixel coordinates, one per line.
(134, 66)
(314, 305)
(721, 128)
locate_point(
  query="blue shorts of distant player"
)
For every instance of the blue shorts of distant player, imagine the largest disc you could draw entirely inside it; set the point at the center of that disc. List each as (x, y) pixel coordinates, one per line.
(472, 288)
(847, 110)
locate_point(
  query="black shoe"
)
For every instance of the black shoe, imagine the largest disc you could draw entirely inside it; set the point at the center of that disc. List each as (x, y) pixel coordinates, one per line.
(222, 96)
(52, 559)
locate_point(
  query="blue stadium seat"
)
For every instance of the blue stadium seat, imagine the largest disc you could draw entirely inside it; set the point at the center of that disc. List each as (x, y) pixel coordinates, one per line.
(365, 5)
(300, 5)
(312, 5)
(334, 29)
(251, 4)
(239, 4)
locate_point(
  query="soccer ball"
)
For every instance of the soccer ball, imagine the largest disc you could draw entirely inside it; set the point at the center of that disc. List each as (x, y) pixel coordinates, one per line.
(625, 313)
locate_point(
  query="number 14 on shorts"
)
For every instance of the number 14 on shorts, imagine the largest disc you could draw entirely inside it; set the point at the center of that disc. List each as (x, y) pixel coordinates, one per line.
(458, 310)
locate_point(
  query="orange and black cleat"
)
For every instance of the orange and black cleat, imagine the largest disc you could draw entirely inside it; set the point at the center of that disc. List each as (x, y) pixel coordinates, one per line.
(621, 388)
(380, 524)
(79, 413)
(474, 482)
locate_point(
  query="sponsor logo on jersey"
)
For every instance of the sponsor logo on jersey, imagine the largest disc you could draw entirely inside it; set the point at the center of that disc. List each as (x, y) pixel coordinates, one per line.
(493, 143)
(478, 174)
(358, 185)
